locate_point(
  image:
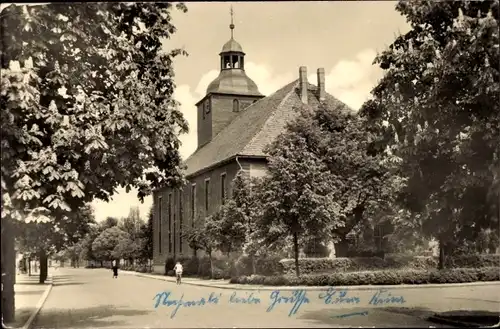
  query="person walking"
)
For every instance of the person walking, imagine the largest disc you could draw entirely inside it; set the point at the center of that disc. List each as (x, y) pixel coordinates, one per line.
(4, 326)
(115, 269)
(178, 272)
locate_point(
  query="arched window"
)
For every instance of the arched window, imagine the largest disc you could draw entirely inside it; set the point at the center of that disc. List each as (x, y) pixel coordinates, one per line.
(227, 62)
(236, 105)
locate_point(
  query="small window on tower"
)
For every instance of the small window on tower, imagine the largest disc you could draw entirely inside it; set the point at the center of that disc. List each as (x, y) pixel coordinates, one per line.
(207, 106)
(236, 105)
(235, 62)
(227, 62)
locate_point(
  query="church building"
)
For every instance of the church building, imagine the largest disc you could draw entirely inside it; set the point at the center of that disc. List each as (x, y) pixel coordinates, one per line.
(235, 123)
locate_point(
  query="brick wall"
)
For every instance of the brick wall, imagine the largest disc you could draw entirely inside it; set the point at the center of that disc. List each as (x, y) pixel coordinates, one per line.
(220, 115)
(214, 201)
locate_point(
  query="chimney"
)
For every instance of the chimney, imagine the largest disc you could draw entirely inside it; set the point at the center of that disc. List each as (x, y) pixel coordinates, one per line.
(303, 84)
(321, 84)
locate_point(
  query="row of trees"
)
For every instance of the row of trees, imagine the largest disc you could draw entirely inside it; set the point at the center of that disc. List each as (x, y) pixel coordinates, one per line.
(420, 160)
(87, 107)
(83, 239)
(129, 238)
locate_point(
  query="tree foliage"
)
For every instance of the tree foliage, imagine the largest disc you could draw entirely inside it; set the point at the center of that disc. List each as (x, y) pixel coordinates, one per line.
(88, 107)
(132, 223)
(146, 234)
(108, 244)
(439, 97)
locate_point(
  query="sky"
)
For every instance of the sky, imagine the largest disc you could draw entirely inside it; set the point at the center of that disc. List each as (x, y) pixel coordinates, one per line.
(343, 37)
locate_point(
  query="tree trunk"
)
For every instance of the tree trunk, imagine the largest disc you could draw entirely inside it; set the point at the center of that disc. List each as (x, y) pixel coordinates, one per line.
(441, 254)
(296, 252)
(43, 265)
(102, 264)
(254, 267)
(8, 260)
(341, 248)
(211, 264)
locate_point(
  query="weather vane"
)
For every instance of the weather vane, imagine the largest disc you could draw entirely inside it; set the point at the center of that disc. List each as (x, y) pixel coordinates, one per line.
(232, 24)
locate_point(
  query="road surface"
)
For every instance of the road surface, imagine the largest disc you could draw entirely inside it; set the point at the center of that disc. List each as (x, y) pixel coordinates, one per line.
(91, 298)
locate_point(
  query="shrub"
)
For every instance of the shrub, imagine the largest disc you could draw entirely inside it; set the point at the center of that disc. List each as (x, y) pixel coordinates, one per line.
(457, 275)
(485, 260)
(169, 264)
(393, 261)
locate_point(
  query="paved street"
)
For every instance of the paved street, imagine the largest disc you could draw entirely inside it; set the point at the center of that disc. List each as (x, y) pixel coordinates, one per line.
(85, 298)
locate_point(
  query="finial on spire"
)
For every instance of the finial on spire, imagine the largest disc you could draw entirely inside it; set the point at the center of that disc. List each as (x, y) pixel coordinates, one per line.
(231, 26)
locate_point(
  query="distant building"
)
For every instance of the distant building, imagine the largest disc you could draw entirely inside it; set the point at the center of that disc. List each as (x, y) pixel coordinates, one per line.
(235, 123)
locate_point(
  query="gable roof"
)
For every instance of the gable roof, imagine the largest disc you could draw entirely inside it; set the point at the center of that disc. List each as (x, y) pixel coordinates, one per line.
(257, 126)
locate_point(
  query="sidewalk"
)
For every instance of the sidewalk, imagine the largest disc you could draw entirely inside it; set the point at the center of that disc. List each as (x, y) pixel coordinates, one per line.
(29, 295)
(224, 284)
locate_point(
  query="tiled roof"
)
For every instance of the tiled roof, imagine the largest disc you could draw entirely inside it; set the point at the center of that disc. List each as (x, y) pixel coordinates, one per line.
(257, 126)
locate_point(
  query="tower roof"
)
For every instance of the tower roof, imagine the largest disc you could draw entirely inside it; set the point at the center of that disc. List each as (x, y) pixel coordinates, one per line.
(233, 82)
(232, 46)
(232, 78)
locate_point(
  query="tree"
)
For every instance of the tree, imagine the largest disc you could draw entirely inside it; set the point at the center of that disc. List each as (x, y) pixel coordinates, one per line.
(240, 216)
(77, 224)
(204, 237)
(297, 198)
(86, 244)
(146, 234)
(41, 239)
(132, 223)
(439, 98)
(230, 229)
(103, 247)
(73, 253)
(109, 222)
(74, 227)
(127, 248)
(85, 109)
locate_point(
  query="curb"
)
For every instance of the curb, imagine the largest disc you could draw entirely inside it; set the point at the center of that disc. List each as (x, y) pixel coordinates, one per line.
(39, 305)
(320, 288)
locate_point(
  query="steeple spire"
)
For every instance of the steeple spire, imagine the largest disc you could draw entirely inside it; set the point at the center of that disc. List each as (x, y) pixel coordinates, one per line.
(231, 26)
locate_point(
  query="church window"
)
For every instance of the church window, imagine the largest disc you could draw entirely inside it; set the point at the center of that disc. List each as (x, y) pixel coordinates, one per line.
(207, 194)
(159, 224)
(242, 60)
(236, 105)
(223, 188)
(181, 215)
(174, 224)
(193, 204)
(169, 222)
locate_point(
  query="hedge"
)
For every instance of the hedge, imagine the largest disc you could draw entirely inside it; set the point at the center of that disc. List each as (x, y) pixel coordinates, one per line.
(136, 268)
(394, 277)
(356, 264)
(224, 268)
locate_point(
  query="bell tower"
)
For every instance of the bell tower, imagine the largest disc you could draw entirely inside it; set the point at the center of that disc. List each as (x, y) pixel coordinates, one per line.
(229, 94)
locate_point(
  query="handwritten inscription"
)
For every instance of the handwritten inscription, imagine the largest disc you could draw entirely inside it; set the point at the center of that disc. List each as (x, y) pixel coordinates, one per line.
(334, 296)
(248, 299)
(291, 301)
(384, 297)
(298, 298)
(165, 298)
